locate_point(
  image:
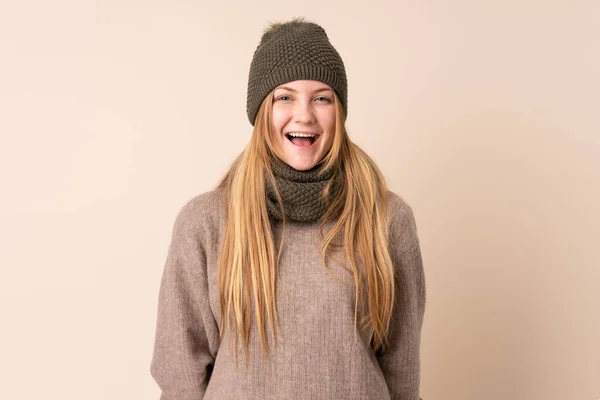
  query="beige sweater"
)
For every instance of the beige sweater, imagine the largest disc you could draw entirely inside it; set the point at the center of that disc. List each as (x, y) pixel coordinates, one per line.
(318, 354)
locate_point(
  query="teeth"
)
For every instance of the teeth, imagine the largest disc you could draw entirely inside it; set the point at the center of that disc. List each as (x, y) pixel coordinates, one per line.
(296, 134)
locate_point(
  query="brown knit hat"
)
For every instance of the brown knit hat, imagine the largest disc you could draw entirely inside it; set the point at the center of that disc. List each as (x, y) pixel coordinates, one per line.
(291, 51)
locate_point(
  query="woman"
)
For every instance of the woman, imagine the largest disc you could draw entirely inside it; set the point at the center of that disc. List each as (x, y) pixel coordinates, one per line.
(300, 276)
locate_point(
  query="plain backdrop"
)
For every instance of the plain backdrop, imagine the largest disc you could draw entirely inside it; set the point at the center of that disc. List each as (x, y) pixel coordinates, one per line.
(483, 115)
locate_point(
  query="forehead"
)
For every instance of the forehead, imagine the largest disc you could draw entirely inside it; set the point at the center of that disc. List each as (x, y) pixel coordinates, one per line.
(304, 86)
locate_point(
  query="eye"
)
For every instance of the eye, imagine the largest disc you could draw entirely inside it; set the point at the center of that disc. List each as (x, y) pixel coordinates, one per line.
(323, 99)
(284, 98)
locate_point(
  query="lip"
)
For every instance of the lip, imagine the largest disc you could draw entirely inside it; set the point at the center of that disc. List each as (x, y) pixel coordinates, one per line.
(317, 136)
(305, 132)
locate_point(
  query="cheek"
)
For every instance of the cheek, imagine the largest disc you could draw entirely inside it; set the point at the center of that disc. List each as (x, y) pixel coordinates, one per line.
(329, 143)
(329, 118)
(329, 127)
(278, 120)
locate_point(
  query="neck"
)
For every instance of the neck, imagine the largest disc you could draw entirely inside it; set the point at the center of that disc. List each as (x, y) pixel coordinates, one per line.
(302, 192)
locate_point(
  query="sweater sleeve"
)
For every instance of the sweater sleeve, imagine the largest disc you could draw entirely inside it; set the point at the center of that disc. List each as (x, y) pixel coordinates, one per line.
(400, 361)
(185, 328)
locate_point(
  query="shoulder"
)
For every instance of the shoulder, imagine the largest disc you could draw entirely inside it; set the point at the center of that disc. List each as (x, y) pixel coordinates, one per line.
(397, 207)
(202, 212)
(401, 222)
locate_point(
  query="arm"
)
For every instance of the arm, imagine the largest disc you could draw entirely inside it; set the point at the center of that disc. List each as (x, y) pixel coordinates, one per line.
(400, 361)
(186, 332)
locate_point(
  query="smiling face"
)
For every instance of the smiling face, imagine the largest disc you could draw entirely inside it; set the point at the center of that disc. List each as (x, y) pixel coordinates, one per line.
(303, 122)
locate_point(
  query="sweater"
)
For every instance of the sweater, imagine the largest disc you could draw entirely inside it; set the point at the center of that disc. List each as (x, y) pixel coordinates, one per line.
(318, 353)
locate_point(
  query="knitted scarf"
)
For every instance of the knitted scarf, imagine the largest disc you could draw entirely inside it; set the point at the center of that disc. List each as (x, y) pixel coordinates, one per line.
(301, 192)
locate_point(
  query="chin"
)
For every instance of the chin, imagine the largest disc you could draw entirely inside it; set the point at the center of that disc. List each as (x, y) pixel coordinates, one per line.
(301, 165)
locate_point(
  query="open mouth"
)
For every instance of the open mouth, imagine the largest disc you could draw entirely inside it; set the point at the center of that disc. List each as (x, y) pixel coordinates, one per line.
(302, 139)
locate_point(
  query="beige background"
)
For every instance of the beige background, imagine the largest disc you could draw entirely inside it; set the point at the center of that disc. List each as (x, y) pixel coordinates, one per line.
(482, 114)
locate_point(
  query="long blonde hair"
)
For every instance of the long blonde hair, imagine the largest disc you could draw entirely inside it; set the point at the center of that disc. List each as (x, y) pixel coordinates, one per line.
(248, 262)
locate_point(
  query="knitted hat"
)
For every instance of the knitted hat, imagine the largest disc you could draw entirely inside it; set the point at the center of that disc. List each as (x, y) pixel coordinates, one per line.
(291, 51)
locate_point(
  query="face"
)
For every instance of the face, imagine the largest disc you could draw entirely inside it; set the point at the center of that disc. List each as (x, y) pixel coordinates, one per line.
(303, 122)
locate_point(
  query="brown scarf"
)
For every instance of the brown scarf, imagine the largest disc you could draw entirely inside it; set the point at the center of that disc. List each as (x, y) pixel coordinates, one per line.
(301, 192)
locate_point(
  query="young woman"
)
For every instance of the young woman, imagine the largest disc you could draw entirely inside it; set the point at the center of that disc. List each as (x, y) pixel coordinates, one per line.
(300, 276)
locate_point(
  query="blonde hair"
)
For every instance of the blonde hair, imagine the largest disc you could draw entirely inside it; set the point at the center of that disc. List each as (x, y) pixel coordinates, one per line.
(248, 262)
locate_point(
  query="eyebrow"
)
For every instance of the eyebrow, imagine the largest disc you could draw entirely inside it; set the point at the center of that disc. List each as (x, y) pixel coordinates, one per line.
(323, 89)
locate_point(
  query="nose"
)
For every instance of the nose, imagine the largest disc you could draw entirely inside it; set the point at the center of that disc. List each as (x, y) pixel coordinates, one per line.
(303, 112)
